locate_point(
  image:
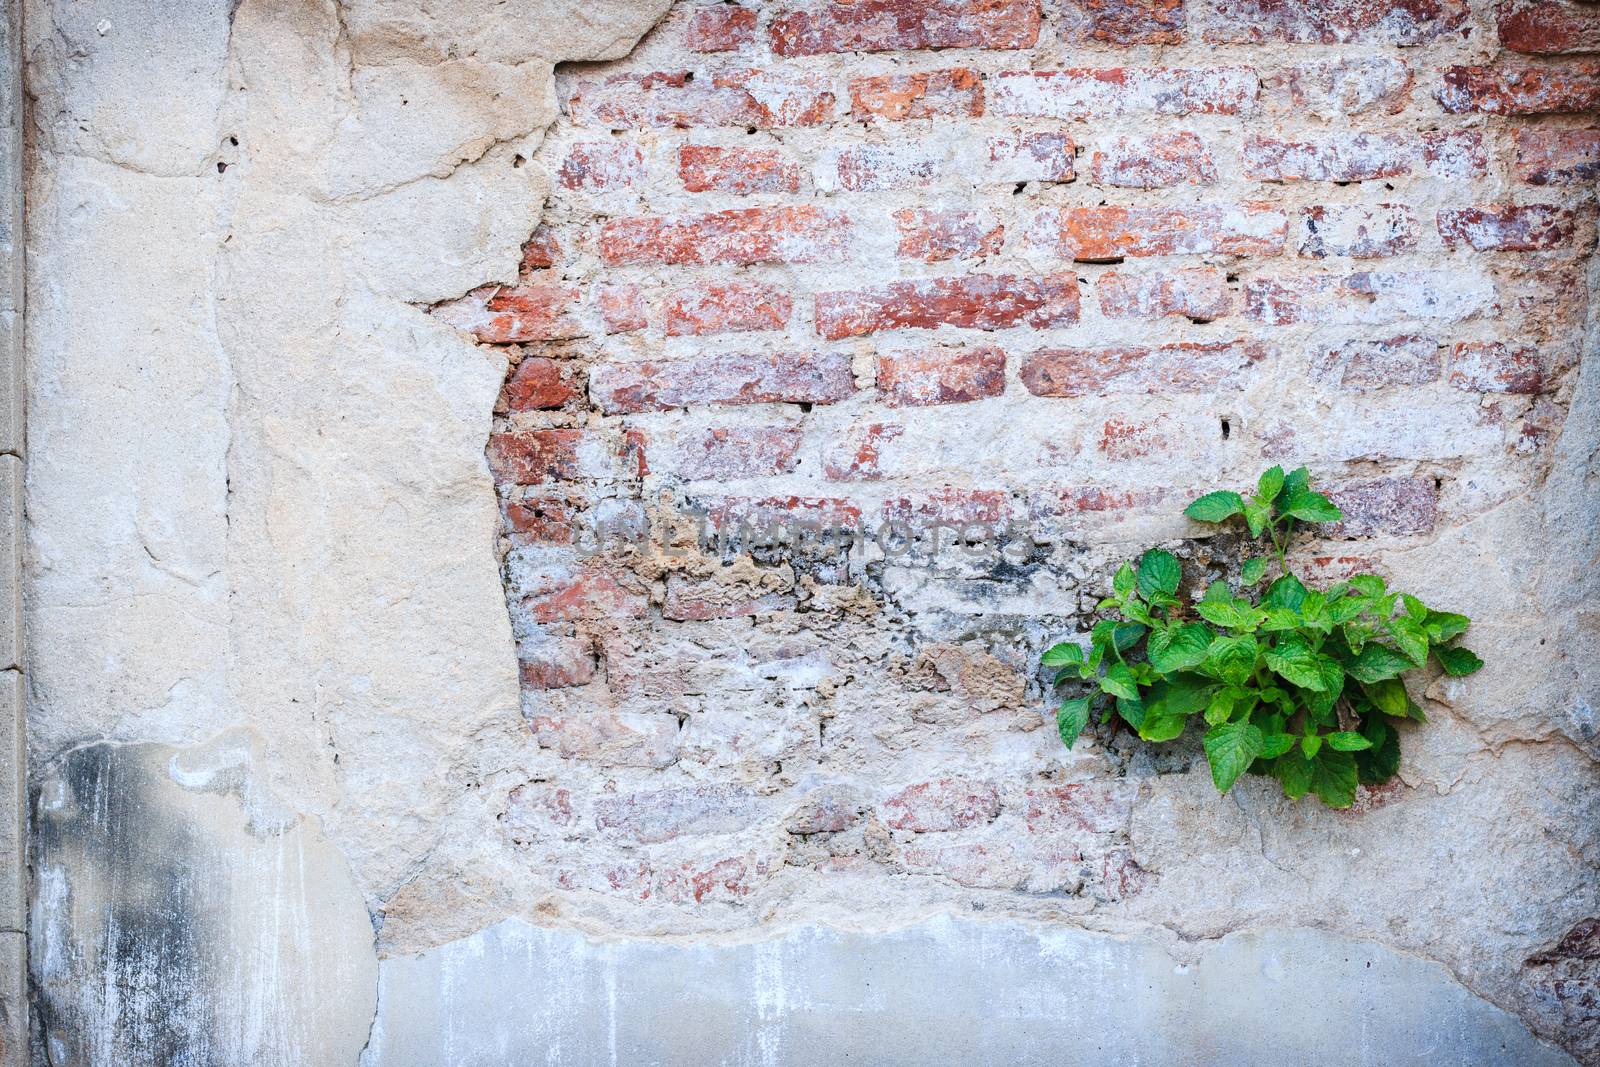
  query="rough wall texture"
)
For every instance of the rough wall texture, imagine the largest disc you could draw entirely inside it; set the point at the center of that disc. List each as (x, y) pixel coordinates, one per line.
(1060, 264)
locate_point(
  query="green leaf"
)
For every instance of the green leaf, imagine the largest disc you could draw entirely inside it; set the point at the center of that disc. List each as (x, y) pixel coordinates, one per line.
(1293, 660)
(1390, 697)
(1232, 614)
(1162, 727)
(1411, 638)
(1378, 662)
(1159, 572)
(1179, 647)
(1333, 778)
(1061, 655)
(1230, 748)
(1346, 608)
(1298, 480)
(1295, 772)
(1457, 661)
(1275, 745)
(1071, 718)
(1285, 592)
(1443, 625)
(1186, 694)
(1311, 744)
(1369, 585)
(1123, 582)
(1257, 516)
(1348, 741)
(1218, 592)
(1379, 763)
(1414, 607)
(1215, 507)
(1253, 570)
(1119, 682)
(1132, 711)
(1311, 507)
(1269, 485)
(1221, 707)
(1125, 635)
(1233, 659)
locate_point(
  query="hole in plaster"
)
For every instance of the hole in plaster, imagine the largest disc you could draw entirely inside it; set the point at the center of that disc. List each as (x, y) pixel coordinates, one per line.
(1227, 427)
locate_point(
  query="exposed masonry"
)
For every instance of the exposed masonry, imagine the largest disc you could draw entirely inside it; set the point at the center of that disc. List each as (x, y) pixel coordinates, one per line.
(987, 262)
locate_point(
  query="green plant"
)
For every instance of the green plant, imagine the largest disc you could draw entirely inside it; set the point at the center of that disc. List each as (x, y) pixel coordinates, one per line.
(1300, 684)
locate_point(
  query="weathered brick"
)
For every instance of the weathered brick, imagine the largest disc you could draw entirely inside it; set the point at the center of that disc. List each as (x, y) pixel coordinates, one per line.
(934, 235)
(1154, 162)
(739, 171)
(621, 308)
(906, 25)
(760, 98)
(995, 865)
(540, 519)
(857, 454)
(738, 452)
(1031, 157)
(1352, 85)
(827, 810)
(940, 376)
(1359, 231)
(1558, 157)
(1087, 807)
(1521, 90)
(1181, 368)
(513, 314)
(607, 165)
(955, 93)
(537, 457)
(868, 168)
(774, 378)
(972, 301)
(940, 805)
(1199, 294)
(1455, 155)
(949, 506)
(557, 663)
(722, 28)
(1361, 365)
(1496, 367)
(1102, 234)
(1080, 504)
(726, 307)
(583, 594)
(541, 250)
(1508, 227)
(1402, 22)
(700, 600)
(1098, 94)
(1373, 297)
(802, 234)
(537, 384)
(1394, 507)
(760, 513)
(1550, 27)
(1130, 437)
(1123, 22)
(617, 739)
(1333, 157)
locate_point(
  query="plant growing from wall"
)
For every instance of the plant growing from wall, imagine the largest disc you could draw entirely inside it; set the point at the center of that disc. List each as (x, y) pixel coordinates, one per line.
(1301, 684)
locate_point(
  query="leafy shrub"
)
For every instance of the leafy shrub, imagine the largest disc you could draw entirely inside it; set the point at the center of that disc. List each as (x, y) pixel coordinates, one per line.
(1300, 684)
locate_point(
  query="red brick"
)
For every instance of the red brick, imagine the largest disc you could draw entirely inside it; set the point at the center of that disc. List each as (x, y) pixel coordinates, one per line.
(1362, 365)
(728, 307)
(536, 385)
(699, 600)
(928, 94)
(588, 593)
(1558, 157)
(1395, 507)
(559, 663)
(920, 379)
(942, 804)
(1401, 22)
(1359, 231)
(1508, 227)
(1372, 297)
(761, 513)
(934, 235)
(867, 168)
(774, 378)
(1335, 157)
(1494, 367)
(547, 519)
(1456, 155)
(740, 171)
(1102, 234)
(722, 28)
(1521, 90)
(973, 301)
(1031, 157)
(541, 250)
(951, 507)
(622, 308)
(512, 314)
(1154, 162)
(1083, 93)
(803, 234)
(1087, 807)
(615, 739)
(1351, 85)
(536, 457)
(537, 802)
(1180, 368)
(1126, 437)
(1550, 27)
(1199, 294)
(857, 455)
(905, 25)
(608, 165)
(1087, 506)
(764, 99)
(738, 452)
(1123, 22)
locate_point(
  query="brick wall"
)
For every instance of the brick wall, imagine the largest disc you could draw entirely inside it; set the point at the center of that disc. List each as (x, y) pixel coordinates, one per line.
(1062, 265)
